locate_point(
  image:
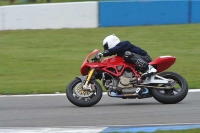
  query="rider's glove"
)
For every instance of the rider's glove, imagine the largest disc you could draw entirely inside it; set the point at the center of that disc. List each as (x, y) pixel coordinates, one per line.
(99, 55)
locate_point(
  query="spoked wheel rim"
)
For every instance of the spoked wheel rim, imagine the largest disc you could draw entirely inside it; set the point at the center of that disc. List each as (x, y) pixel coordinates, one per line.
(175, 90)
(83, 95)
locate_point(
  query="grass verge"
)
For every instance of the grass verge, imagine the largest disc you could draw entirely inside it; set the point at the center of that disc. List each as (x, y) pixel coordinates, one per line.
(45, 61)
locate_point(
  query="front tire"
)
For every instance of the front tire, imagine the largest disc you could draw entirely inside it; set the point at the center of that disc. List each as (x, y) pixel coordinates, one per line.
(174, 95)
(82, 98)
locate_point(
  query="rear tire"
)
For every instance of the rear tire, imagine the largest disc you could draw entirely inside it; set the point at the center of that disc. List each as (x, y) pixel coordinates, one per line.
(168, 97)
(91, 100)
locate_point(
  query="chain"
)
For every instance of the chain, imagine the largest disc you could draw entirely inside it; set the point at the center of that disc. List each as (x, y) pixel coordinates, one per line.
(158, 87)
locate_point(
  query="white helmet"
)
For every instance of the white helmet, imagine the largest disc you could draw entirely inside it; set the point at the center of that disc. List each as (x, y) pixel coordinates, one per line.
(110, 41)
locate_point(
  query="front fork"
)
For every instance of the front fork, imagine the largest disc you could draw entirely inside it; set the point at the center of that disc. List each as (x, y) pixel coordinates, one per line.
(86, 86)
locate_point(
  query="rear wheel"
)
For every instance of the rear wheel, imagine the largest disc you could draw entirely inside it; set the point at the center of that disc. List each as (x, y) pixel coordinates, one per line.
(83, 98)
(174, 95)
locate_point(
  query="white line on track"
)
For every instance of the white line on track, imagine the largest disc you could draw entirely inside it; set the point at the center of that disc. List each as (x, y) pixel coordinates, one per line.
(51, 130)
(63, 94)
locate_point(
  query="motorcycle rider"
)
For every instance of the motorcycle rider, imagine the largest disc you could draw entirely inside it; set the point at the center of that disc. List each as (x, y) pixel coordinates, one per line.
(131, 54)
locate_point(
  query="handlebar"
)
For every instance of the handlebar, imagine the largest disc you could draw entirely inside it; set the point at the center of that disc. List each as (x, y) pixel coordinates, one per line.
(95, 59)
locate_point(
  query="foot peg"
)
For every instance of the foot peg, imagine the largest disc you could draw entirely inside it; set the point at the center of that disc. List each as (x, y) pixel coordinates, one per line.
(150, 71)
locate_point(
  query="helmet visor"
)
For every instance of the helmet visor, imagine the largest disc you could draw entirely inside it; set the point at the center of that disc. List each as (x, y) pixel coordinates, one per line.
(105, 46)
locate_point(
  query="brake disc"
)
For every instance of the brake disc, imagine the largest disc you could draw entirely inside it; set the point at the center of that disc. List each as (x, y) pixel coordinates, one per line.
(78, 89)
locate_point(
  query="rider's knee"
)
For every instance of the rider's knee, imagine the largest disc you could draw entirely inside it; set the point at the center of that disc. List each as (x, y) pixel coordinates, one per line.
(127, 55)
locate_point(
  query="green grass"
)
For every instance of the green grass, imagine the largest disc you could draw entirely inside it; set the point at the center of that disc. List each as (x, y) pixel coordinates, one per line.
(45, 61)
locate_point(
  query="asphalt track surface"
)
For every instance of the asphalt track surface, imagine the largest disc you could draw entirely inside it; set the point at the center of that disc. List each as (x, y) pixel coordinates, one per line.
(57, 111)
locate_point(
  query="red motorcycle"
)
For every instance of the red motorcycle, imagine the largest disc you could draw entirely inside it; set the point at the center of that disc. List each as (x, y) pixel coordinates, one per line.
(123, 80)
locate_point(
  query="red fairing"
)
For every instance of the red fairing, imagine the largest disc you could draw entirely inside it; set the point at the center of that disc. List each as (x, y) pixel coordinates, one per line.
(107, 64)
(87, 65)
(163, 62)
(115, 65)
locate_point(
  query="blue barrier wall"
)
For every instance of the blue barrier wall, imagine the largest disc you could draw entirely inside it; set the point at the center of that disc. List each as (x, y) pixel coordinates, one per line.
(144, 13)
(195, 11)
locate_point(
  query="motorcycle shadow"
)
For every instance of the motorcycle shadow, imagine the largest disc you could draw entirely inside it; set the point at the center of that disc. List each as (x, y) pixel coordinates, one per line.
(127, 104)
(136, 104)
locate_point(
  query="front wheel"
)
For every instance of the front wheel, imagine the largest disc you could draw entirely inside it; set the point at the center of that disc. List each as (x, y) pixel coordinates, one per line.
(83, 98)
(174, 95)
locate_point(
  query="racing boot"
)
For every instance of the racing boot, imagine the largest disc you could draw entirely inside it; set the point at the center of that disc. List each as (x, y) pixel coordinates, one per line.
(150, 70)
